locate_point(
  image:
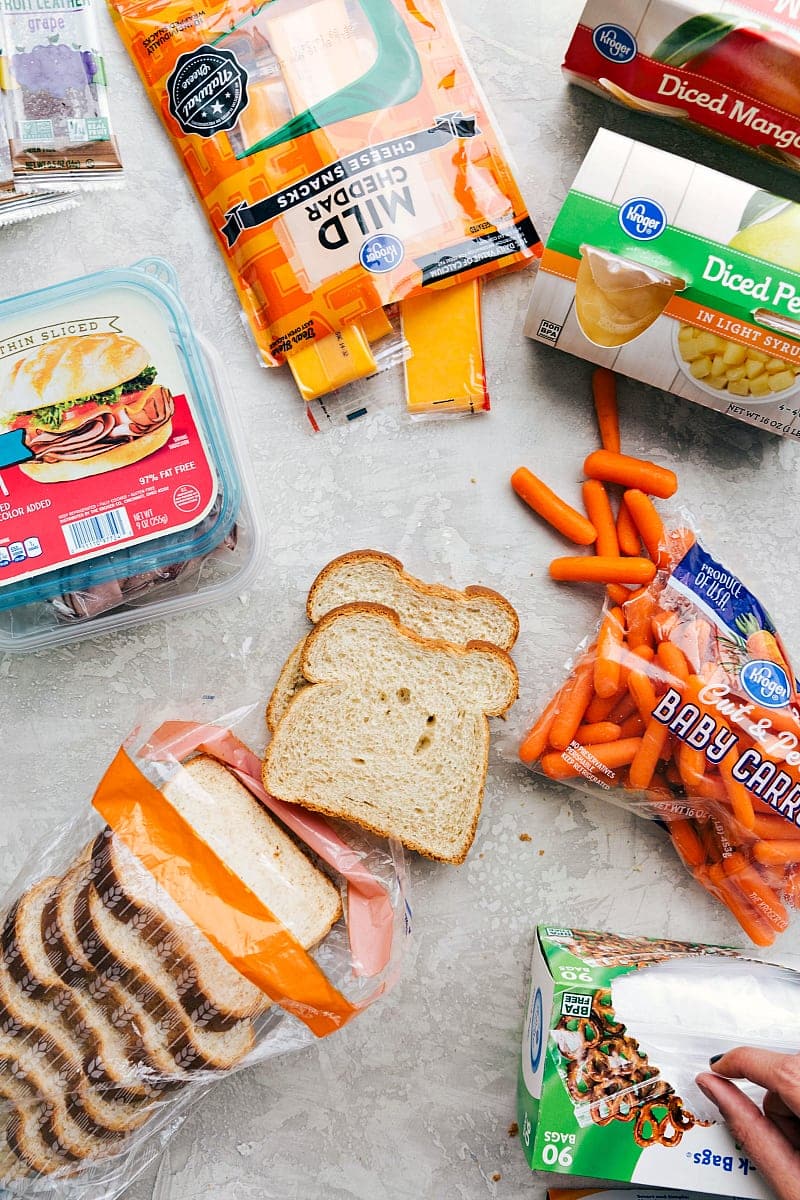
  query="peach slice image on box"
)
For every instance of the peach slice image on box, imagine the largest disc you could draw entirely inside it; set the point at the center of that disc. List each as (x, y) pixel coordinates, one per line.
(616, 299)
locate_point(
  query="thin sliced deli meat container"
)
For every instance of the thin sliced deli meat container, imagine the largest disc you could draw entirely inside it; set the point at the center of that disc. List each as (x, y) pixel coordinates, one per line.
(732, 67)
(664, 270)
(123, 488)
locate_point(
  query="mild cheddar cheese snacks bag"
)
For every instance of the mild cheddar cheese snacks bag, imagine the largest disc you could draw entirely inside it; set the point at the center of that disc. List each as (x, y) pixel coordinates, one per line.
(342, 150)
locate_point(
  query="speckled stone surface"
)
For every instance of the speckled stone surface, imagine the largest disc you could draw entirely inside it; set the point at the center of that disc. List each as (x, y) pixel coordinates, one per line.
(415, 1099)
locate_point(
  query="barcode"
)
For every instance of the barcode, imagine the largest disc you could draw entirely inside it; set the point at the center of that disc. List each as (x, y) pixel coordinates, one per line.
(107, 527)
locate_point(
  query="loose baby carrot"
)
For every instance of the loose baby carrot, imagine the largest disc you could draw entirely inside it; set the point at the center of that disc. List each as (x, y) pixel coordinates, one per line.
(599, 734)
(611, 755)
(536, 741)
(777, 853)
(687, 843)
(648, 755)
(604, 389)
(552, 508)
(575, 699)
(649, 525)
(630, 542)
(603, 570)
(609, 654)
(631, 473)
(598, 510)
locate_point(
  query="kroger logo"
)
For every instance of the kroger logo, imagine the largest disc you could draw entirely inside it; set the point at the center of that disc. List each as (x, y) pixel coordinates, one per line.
(615, 43)
(537, 1030)
(642, 219)
(382, 253)
(766, 682)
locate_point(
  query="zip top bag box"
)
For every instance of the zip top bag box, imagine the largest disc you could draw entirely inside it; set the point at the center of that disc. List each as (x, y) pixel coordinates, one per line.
(678, 276)
(731, 67)
(617, 1030)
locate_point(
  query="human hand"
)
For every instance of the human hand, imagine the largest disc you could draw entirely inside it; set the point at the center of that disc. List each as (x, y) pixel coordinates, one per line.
(770, 1137)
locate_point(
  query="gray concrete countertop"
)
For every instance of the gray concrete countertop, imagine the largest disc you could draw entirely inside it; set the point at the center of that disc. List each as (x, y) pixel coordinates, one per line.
(415, 1099)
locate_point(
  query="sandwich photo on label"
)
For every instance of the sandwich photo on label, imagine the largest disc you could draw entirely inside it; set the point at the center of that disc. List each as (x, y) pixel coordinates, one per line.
(84, 406)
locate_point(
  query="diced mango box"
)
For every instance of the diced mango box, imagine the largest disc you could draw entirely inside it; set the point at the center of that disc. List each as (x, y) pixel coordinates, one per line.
(678, 276)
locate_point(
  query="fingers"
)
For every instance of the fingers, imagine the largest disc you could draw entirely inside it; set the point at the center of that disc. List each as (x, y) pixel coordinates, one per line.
(761, 1139)
(779, 1073)
(784, 1118)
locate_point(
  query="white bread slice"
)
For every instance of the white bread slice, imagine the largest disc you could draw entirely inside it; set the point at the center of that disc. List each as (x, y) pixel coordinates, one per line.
(241, 833)
(394, 733)
(432, 610)
(208, 980)
(21, 944)
(105, 937)
(290, 681)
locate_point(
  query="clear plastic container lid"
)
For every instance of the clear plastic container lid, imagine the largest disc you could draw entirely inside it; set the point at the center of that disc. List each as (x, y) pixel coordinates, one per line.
(123, 493)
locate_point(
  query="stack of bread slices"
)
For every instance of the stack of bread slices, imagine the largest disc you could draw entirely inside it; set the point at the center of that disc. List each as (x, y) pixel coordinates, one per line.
(379, 716)
(110, 1000)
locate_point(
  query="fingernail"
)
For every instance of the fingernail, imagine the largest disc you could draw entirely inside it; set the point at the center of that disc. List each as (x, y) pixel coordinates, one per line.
(715, 1059)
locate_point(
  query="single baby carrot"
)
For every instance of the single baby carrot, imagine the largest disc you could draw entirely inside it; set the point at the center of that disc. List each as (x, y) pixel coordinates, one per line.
(600, 710)
(692, 766)
(624, 709)
(687, 843)
(603, 570)
(777, 853)
(649, 524)
(604, 389)
(775, 829)
(631, 473)
(618, 594)
(637, 619)
(598, 510)
(643, 694)
(740, 798)
(575, 699)
(610, 755)
(632, 726)
(672, 659)
(607, 668)
(536, 741)
(648, 755)
(552, 508)
(630, 542)
(602, 732)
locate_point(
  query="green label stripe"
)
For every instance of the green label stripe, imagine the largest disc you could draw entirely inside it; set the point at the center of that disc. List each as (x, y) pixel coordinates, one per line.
(587, 220)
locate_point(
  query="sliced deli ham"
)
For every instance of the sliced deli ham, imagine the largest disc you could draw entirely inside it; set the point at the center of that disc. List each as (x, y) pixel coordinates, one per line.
(143, 413)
